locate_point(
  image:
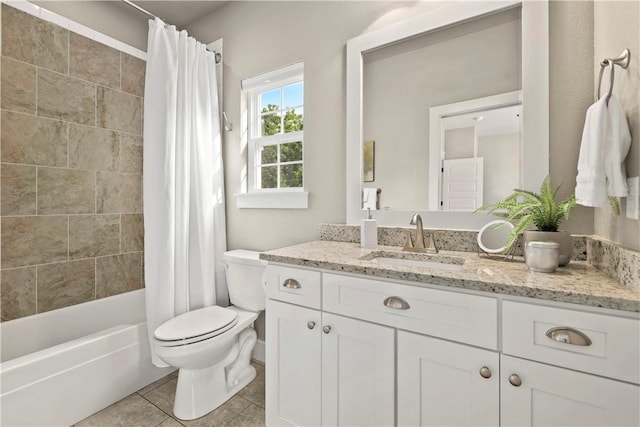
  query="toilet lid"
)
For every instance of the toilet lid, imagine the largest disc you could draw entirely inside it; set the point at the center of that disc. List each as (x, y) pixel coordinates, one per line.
(196, 323)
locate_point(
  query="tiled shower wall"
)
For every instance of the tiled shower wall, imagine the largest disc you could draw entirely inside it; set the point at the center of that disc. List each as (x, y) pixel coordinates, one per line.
(71, 168)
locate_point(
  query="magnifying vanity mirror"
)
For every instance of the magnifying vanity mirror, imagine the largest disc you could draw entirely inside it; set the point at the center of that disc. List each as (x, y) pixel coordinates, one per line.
(492, 237)
(430, 91)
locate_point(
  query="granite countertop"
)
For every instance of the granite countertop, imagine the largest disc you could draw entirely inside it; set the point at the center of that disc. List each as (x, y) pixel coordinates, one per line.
(577, 283)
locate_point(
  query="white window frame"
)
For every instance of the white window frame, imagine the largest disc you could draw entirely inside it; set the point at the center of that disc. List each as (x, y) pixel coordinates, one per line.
(254, 196)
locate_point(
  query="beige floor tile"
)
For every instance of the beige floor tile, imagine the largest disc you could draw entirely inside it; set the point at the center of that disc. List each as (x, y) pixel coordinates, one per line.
(170, 422)
(163, 395)
(254, 392)
(156, 383)
(130, 411)
(253, 416)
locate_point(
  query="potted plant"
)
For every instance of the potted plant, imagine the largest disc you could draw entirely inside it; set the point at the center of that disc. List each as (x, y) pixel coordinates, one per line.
(527, 208)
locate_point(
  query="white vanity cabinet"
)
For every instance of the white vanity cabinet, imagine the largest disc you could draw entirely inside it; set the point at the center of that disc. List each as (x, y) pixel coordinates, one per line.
(347, 349)
(442, 383)
(324, 369)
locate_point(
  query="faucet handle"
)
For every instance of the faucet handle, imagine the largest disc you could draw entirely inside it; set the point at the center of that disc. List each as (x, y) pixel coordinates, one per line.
(408, 244)
(433, 244)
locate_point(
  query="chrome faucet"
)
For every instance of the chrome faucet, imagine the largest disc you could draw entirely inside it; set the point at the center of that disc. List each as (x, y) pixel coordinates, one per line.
(420, 245)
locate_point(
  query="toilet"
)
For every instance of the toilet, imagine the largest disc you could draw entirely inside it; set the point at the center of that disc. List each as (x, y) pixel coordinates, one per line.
(212, 346)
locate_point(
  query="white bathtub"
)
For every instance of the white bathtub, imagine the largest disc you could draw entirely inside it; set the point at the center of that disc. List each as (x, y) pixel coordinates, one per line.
(59, 367)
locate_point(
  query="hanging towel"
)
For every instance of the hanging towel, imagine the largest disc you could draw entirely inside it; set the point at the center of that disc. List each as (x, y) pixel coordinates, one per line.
(370, 198)
(605, 143)
(616, 148)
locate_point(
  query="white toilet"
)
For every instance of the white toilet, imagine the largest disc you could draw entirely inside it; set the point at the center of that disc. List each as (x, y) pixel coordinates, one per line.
(212, 346)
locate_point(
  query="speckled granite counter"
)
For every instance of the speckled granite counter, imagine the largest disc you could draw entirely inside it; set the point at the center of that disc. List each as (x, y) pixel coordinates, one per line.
(577, 283)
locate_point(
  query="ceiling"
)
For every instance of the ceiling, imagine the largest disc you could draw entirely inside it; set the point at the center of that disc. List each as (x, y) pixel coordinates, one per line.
(178, 12)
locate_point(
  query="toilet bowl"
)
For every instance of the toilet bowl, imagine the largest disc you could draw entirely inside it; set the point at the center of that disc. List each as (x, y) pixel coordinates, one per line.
(212, 346)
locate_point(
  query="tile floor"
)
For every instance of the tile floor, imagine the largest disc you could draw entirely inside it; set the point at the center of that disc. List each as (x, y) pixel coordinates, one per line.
(152, 406)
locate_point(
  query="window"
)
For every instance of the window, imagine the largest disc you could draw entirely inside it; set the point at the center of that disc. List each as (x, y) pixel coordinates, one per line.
(275, 137)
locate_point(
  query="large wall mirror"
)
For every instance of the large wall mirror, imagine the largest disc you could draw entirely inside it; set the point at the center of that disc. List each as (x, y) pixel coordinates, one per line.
(461, 89)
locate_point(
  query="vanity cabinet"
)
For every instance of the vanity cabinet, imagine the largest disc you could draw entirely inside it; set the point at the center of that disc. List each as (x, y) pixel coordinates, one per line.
(326, 369)
(538, 394)
(446, 383)
(351, 350)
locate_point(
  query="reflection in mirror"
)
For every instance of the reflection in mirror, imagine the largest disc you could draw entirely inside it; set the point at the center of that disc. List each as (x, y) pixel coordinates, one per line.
(402, 82)
(401, 131)
(493, 236)
(475, 152)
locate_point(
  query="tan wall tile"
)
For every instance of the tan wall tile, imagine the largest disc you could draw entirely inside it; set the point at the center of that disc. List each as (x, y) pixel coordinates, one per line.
(33, 40)
(65, 283)
(62, 191)
(93, 148)
(33, 240)
(18, 293)
(133, 74)
(93, 235)
(18, 189)
(18, 86)
(118, 274)
(119, 111)
(118, 193)
(33, 140)
(132, 231)
(94, 61)
(66, 98)
(130, 153)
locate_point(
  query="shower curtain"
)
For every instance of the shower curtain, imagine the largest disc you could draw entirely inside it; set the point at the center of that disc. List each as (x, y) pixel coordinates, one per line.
(184, 219)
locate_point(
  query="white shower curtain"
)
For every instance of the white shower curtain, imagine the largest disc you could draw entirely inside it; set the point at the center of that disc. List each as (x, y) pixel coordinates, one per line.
(184, 219)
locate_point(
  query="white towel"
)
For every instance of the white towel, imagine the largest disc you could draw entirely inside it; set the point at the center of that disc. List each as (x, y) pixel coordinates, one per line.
(370, 198)
(605, 143)
(616, 147)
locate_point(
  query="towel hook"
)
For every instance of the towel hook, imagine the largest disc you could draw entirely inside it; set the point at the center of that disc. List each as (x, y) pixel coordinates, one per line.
(621, 60)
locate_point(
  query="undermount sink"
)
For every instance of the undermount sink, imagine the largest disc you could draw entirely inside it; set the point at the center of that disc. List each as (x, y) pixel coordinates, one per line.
(410, 259)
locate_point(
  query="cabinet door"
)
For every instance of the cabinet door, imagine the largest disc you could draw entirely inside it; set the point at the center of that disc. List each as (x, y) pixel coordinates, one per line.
(445, 383)
(358, 360)
(553, 396)
(293, 365)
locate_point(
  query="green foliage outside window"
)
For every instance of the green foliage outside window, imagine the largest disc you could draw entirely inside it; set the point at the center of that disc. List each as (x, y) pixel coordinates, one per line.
(290, 175)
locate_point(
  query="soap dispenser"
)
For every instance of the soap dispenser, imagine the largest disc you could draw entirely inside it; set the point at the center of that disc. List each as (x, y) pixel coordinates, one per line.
(369, 232)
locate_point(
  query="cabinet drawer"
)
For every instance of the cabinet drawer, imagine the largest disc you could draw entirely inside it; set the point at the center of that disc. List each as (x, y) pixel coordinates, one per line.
(293, 285)
(611, 349)
(454, 316)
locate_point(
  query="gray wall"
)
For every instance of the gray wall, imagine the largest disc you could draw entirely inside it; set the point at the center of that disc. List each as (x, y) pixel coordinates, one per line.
(616, 28)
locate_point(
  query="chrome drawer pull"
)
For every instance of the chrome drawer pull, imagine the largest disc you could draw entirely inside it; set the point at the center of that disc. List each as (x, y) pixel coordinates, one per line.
(485, 372)
(396, 303)
(515, 380)
(568, 336)
(311, 325)
(291, 284)
(326, 329)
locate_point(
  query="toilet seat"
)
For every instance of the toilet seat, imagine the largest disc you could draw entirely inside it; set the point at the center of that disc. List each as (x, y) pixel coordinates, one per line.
(195, 326)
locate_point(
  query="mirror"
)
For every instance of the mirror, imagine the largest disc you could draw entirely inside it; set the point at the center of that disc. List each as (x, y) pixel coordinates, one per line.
(412, 190)
(492, 237)
(475, 152)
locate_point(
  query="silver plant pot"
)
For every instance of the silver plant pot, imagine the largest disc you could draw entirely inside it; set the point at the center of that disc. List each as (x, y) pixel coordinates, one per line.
(563, 238)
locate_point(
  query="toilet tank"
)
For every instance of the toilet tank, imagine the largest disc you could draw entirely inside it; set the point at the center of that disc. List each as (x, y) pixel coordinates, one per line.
(244, 279)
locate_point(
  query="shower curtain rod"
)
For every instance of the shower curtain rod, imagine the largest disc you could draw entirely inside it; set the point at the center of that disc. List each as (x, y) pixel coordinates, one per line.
(151, 15)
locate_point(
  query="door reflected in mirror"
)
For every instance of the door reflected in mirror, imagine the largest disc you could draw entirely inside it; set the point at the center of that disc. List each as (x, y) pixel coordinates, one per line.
(479, 145)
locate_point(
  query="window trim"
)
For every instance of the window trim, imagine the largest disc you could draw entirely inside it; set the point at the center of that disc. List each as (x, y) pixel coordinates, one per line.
(251, 196)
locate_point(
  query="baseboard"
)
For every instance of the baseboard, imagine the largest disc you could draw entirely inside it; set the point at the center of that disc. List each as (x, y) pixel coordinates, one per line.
(258, 351)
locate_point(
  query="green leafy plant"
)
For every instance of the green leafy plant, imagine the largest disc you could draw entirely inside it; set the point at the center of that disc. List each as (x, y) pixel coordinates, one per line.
(527, 208)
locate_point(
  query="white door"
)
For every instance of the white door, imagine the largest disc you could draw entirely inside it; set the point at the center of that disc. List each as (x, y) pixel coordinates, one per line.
(462, 185)
(358, 378)
(294, 367)
(552, 396)
(441, 383)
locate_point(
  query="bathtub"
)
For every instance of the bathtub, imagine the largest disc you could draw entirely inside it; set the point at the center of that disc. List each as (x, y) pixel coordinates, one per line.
(59, 367)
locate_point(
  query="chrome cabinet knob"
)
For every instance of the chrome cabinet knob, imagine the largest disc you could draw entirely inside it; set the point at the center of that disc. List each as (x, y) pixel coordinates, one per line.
(311, 325)
(326, 329)
(485, 372)
(515, 380)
